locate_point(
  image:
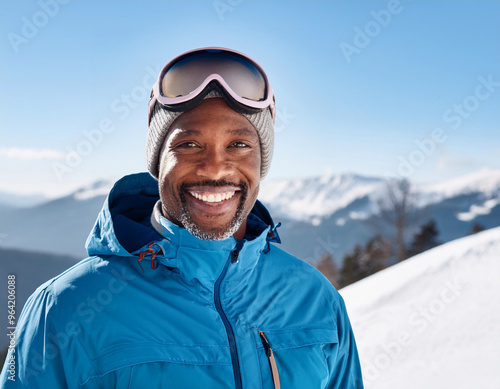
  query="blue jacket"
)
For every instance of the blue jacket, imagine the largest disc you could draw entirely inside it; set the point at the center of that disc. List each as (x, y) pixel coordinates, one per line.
(172, 311)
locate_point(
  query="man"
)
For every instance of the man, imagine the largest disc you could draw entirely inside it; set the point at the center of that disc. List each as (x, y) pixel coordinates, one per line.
(183, 288)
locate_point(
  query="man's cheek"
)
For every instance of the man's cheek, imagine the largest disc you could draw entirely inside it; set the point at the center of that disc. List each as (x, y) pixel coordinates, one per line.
(168, 163)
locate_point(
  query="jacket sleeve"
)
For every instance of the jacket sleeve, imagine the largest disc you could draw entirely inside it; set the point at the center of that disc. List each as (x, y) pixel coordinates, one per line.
(42, 357)
(344, 365)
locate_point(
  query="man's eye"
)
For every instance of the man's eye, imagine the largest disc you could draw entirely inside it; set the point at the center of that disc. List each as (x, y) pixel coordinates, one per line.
(186, 145)
(239, 144)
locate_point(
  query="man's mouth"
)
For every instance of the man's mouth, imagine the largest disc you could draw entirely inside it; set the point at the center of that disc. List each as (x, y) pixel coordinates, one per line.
(212, 197)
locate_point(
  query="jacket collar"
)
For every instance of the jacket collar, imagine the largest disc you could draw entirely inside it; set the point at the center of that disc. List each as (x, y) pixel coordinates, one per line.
(200, 262)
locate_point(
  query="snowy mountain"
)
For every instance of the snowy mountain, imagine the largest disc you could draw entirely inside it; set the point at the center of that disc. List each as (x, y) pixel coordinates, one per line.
(333, 213)
(314, 199)
(432, 321)
(486, 181)
(318, 214)
(311, 199)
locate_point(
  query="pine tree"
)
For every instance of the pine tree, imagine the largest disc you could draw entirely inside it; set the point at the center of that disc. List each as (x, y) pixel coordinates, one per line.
(351, 269)
(477, 227)
(424, 239)
(327, 266)
(364, 261)
(376, 256)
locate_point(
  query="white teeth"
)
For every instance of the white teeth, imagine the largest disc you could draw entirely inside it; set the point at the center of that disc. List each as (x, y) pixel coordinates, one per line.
(213, 198)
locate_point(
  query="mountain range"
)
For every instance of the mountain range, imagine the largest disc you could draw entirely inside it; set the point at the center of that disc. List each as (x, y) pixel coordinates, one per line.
(331, 213)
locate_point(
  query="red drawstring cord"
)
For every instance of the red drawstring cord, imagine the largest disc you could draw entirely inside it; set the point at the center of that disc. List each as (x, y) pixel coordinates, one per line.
(143, 254)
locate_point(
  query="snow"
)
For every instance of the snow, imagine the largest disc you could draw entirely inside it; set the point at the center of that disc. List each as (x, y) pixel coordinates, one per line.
(311, 198)
(432, 321)
(486, 181)
(476, 210)
(98, 188)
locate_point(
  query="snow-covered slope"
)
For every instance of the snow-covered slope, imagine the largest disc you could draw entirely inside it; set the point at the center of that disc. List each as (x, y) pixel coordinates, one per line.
(432, 321)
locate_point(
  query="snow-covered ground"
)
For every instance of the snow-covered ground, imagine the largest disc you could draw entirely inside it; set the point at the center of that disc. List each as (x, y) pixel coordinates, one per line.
(432, 321)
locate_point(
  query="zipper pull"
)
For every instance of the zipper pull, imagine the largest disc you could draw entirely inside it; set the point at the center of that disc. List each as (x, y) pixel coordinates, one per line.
(272, 361)
(236, 252)
(234, 256)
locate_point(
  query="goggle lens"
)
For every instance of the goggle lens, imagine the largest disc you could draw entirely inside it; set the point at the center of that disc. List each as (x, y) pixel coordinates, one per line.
(187, 74)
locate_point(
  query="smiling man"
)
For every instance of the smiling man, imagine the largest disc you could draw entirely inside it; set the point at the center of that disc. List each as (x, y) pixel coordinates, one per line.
(210, 171)
(184, 286)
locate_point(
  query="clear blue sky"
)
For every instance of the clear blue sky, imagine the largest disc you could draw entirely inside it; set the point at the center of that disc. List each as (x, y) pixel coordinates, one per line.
(356, 83)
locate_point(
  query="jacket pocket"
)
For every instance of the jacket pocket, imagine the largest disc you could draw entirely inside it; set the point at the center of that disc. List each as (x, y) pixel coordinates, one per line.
(296, 358)
(162, 365)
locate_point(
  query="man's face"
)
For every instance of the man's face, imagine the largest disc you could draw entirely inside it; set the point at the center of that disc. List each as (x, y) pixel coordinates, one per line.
(209, 171)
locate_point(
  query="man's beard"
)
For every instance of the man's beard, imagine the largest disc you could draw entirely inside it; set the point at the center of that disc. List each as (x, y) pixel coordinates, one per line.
(216, 233)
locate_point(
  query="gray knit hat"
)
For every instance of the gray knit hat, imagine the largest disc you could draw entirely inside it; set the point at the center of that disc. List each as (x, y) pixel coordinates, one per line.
(162, 119)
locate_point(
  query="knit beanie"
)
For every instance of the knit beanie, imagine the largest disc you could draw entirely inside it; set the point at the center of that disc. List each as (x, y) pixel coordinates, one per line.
(162, 118)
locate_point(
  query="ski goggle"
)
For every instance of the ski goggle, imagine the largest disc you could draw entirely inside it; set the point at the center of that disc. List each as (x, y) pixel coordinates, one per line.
(186, 79)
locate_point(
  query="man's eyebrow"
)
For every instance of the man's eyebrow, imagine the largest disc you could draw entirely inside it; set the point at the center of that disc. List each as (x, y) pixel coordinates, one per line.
(243, 131)
(186, 133)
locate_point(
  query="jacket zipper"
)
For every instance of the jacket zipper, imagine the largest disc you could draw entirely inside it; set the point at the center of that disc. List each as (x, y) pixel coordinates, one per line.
(272, 361)
(233, 258)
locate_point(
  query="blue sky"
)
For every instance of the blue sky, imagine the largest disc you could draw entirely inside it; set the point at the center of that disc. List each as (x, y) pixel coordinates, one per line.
(381, 88)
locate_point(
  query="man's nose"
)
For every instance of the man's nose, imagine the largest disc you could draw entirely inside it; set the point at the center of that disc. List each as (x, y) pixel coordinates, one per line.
(214, 164)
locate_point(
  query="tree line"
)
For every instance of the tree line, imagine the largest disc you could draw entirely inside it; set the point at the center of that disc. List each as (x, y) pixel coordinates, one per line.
(397, 215)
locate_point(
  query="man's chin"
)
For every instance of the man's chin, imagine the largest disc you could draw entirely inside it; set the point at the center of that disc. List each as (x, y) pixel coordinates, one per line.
(211, 231)
(210, 234)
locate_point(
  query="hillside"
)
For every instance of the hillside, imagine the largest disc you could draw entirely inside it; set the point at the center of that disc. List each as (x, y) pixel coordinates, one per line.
(433, 320)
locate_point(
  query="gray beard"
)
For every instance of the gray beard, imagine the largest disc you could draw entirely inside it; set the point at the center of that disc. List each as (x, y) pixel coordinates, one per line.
(216, 234)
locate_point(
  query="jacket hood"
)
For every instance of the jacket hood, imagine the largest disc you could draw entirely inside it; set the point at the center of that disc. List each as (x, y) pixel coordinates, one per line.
(123, 226)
